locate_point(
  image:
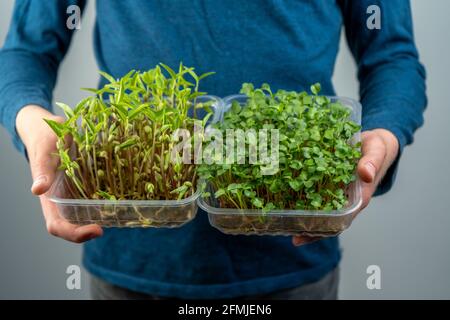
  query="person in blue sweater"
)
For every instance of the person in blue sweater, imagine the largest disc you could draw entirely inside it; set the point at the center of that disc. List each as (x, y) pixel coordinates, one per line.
(289, 44)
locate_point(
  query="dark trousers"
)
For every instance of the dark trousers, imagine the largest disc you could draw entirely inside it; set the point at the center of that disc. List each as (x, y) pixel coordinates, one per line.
(324, 289)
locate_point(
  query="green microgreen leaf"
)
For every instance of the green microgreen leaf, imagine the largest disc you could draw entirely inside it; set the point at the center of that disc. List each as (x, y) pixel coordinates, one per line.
(57, 127)
(121, 136)
(317, 158)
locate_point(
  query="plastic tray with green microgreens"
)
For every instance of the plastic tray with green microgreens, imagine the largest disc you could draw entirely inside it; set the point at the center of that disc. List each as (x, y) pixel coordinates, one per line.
(315, 190)
(115, 150)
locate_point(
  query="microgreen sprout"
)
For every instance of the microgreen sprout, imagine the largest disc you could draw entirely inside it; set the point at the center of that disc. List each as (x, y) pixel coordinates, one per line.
(122, 136)
(317, 158)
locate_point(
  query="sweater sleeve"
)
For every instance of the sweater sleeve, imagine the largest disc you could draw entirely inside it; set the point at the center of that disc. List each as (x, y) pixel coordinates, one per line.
(36, 43)
(392, 80)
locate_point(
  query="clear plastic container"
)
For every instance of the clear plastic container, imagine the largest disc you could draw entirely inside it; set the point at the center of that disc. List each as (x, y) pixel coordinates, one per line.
(122, 213)
(129, 213)
(287, 222)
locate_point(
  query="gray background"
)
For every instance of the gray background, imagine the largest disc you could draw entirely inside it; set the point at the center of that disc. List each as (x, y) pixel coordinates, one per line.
(405, 232)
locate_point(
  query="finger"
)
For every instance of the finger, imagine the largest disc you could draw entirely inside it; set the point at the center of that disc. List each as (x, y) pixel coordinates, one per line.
(302, 240)
(374, 153)
(43, 168)
(367, 191)
(42, 161)
(59, 227)
(77, 234)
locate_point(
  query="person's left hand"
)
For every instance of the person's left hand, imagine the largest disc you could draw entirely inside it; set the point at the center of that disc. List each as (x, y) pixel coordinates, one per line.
(379, 150)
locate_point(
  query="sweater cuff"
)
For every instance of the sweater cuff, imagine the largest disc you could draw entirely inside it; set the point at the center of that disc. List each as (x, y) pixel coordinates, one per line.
(14, 99)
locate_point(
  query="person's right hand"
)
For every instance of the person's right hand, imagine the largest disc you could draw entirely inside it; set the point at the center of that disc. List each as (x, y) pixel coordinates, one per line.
(40, 143)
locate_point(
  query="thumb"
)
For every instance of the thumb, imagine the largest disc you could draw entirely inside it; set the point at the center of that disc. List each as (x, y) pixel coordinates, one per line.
(374, 154)
(43, 168)
(43, 163)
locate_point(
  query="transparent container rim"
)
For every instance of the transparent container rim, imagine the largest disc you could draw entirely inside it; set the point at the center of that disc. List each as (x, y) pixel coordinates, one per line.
(150, 203)
(299, 213)
(211, 97)
(354, 104)
(352, 101)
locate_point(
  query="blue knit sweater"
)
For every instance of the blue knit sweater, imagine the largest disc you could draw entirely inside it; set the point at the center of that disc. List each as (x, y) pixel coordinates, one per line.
(289, 44)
